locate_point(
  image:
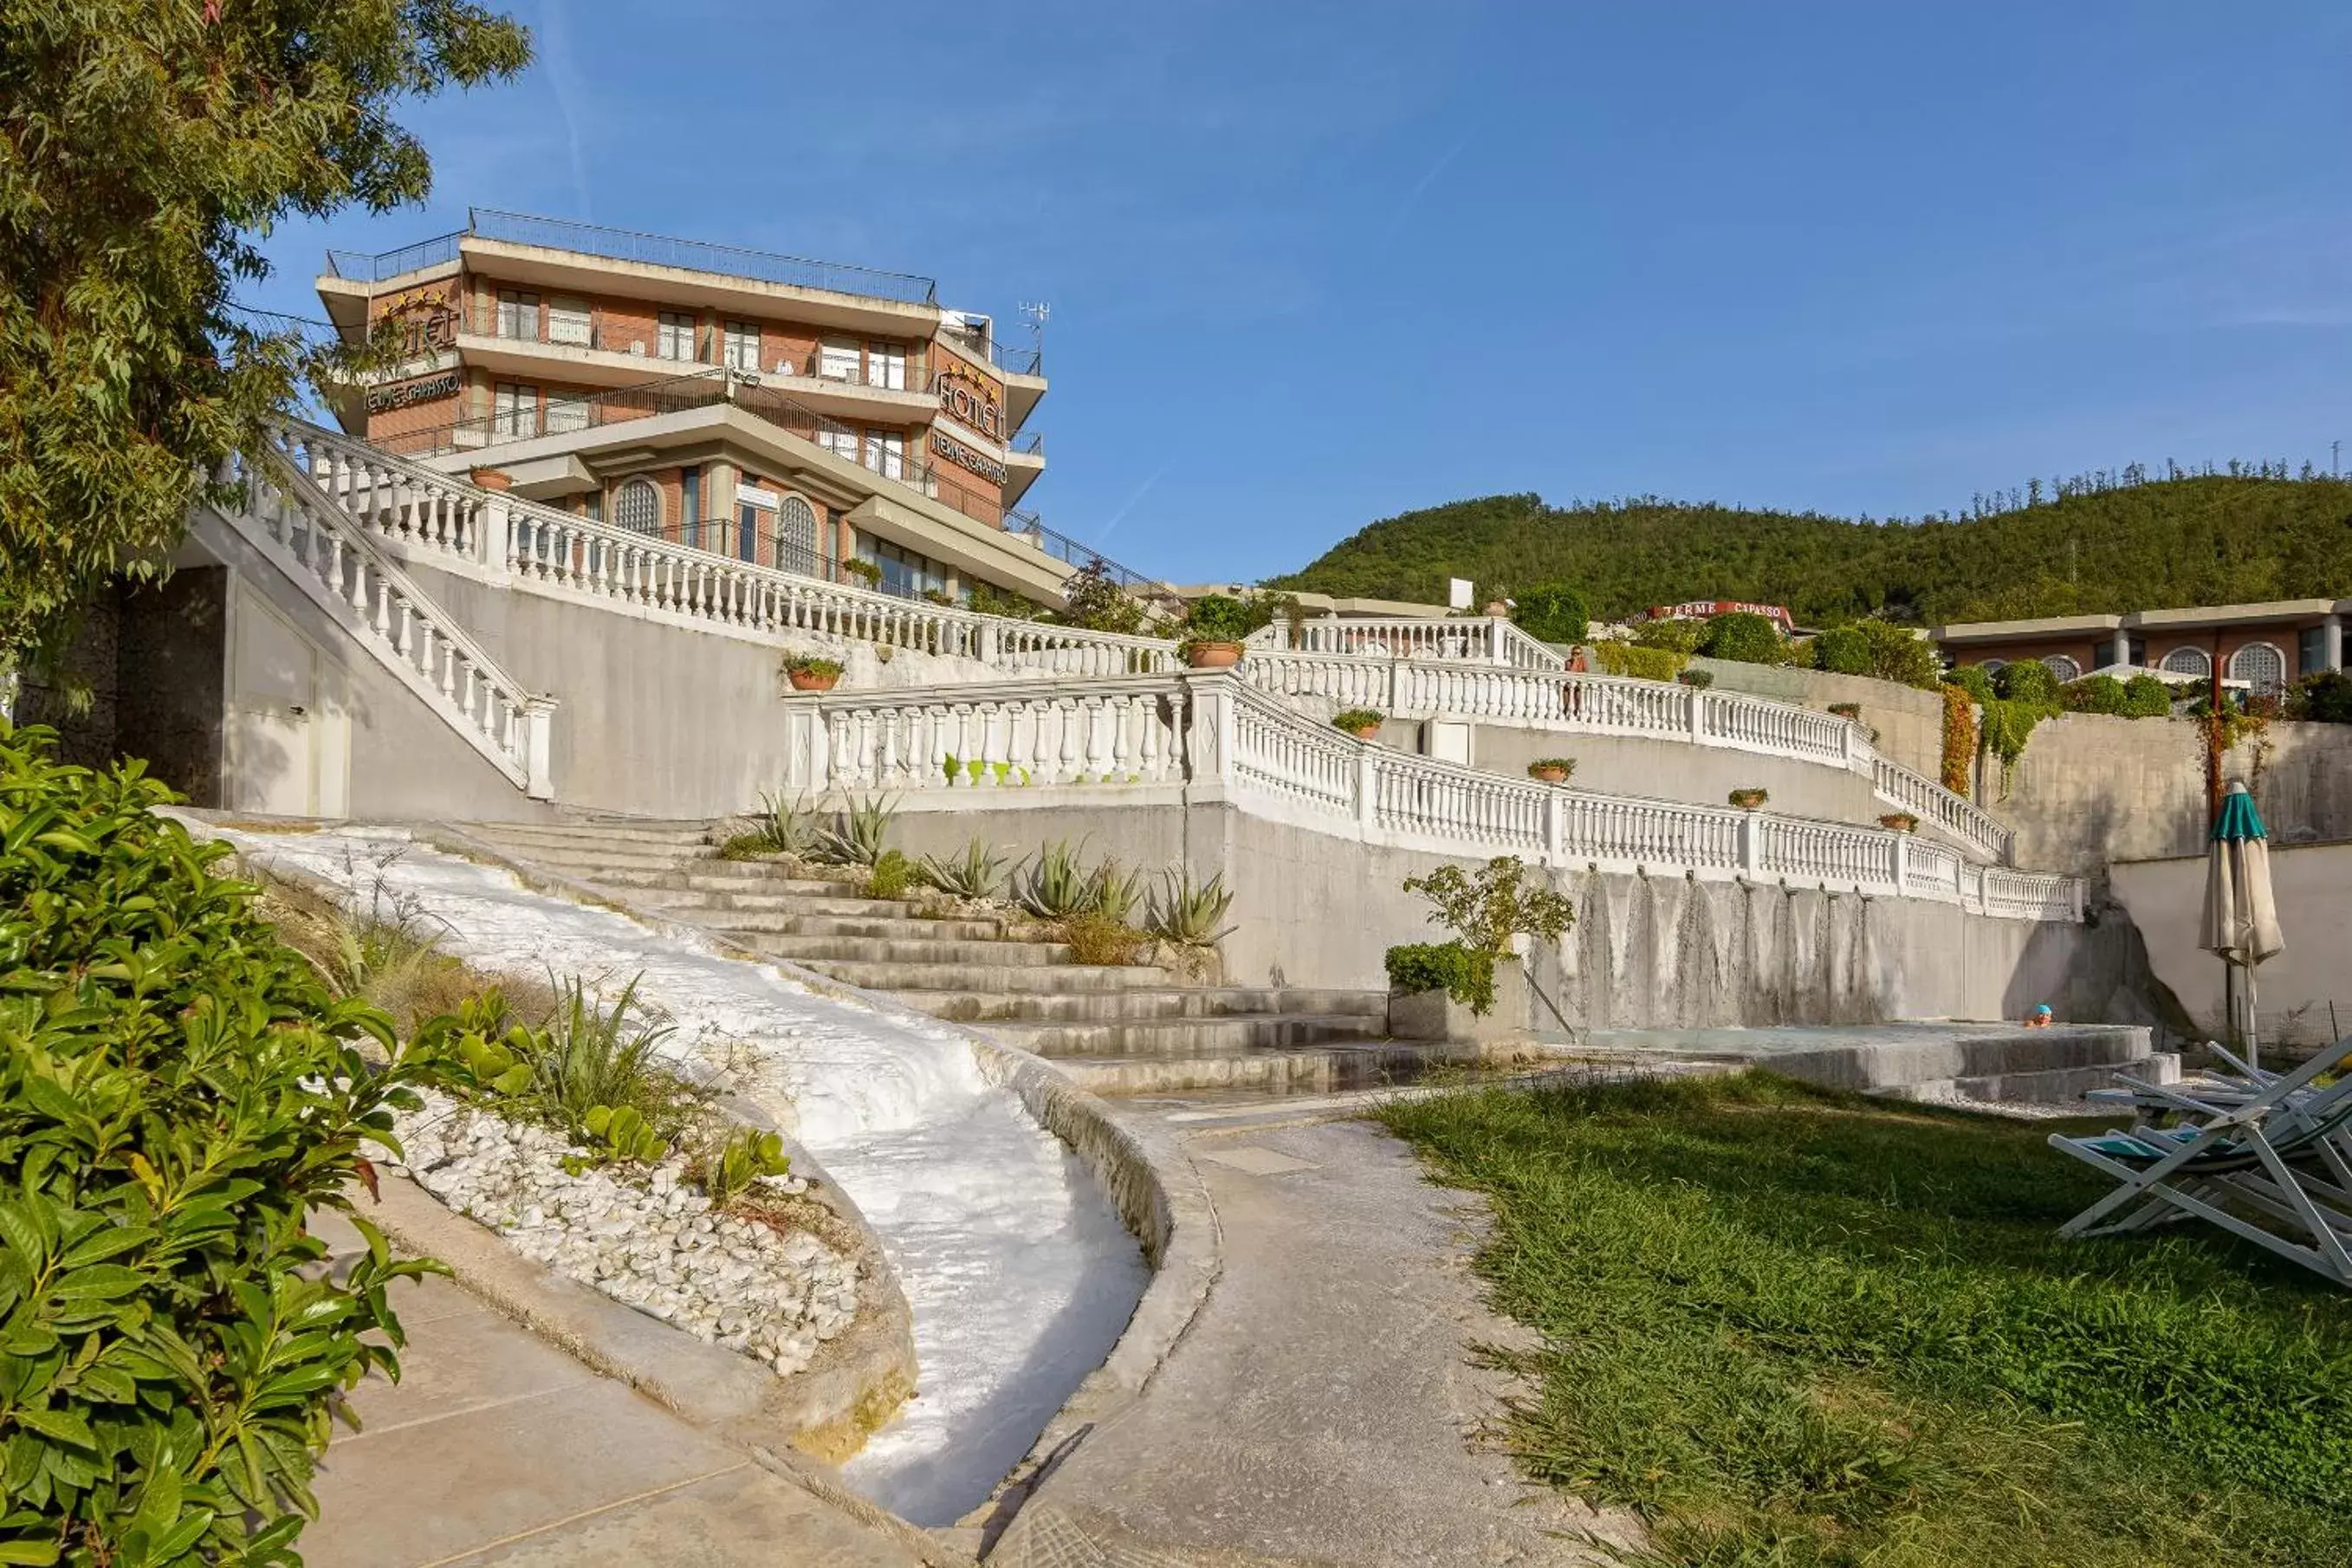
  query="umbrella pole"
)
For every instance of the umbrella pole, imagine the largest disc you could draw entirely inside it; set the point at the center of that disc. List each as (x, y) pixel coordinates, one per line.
(2230, 1005)
(2253, 1024)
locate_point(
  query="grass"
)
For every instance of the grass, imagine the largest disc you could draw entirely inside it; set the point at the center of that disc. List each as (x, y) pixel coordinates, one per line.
(1795, 1328)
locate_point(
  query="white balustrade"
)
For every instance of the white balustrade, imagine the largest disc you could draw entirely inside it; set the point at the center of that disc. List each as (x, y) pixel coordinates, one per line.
(333, 556)
(1214, 730)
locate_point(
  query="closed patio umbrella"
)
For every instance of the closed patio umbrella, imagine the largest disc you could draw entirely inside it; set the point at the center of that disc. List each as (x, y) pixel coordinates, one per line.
(2241, 926)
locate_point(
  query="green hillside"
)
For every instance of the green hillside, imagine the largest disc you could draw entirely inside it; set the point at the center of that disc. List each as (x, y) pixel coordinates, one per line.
(2194, 539)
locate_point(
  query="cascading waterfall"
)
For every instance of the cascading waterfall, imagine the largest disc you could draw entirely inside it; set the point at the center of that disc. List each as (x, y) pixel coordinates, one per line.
(1018, 1271)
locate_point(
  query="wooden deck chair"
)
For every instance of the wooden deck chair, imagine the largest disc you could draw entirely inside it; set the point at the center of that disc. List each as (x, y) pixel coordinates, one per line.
(2282, 1154)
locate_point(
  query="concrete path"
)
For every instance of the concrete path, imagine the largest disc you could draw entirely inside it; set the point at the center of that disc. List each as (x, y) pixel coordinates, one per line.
(497, 1448)
(1324, 1407)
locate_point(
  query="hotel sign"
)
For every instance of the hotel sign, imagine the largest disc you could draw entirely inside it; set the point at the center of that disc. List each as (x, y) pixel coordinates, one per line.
(963, 457)
(385, 399)
(424, 319)
(973, 401)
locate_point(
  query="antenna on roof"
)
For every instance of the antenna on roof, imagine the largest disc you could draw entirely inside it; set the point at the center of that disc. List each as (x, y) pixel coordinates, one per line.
(1038, 312)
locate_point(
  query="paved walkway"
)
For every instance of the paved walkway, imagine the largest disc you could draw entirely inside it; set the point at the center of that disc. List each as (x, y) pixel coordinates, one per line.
(497, 1448)
(1323, 1407)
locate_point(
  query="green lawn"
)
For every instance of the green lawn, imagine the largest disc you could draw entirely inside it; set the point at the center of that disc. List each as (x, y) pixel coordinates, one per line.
(1795, 1328)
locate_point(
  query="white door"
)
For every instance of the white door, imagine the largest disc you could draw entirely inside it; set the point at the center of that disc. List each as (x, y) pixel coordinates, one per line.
(285, 754)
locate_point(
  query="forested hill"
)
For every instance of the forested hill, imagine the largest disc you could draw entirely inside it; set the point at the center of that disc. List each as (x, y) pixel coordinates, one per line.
(2162, 543)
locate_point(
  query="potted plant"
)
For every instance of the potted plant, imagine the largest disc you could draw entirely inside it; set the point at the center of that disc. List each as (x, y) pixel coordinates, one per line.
(1551, 770)
(1213, 629)
(1750, 799)
(491, 479)
(1361, 722)
(865, 571)
(1900, 822)
(1699, 680)
(812, 672)
(1847, 709)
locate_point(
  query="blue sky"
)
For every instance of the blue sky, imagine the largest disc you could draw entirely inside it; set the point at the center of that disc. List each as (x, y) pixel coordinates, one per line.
(1312, 264)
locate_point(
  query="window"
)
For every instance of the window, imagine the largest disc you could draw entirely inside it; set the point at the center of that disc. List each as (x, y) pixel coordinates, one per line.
(675, 336)
(689, 507)
(592, 506)
(2311, 651)
(797, 535)
(568, 324)
(743, 346)
(515, 411)
(838, 361)
(904, 572)
(517, 315)
(886, 366)
(2064, 669)
(566, 411)
(2187, 661)
(841, 443)
(637, 507)
(2260, 665)
(1993, 667)
(886, 453)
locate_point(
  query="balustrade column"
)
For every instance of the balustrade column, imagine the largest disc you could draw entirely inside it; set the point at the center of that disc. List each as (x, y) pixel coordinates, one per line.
(1751, 843)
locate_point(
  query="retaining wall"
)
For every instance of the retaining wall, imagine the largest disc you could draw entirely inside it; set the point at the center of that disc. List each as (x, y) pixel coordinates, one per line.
(1910, 722)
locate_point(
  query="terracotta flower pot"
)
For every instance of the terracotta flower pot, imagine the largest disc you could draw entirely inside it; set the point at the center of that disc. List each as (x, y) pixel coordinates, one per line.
(1365, 731)
(1550, 775)
(810, 680)
(1747, 799)
(1900, 822)
(1213, 655)
(493, 480)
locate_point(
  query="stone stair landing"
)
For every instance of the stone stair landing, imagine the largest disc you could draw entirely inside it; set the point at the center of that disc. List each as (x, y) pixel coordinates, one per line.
(1129, 1029)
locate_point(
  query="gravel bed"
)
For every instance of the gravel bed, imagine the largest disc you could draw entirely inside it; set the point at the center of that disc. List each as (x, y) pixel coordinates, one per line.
(650, 1239)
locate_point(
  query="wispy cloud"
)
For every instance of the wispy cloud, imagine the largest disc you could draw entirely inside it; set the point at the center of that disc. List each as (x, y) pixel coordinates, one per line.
(563, 79)
(1142, 490)
(1420, 188)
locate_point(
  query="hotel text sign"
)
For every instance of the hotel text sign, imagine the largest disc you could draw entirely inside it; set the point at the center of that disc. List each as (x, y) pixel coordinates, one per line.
(973, 401)
(956, 452)
(384, 399)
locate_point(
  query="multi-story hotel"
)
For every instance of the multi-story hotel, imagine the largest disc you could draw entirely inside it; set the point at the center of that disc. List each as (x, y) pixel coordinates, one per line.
(824, 418)
(2260, 646)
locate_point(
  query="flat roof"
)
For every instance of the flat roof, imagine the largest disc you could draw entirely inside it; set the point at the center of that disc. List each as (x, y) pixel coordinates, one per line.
(2190, 617)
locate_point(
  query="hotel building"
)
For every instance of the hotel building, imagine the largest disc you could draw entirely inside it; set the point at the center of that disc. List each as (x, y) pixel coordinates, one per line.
(2262, 647)
(800, 414)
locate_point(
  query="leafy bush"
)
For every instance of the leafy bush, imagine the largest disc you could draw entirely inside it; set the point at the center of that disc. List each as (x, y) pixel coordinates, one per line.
(1553, 612)
(2094, 694)
(1639, 661)
(594, 1057)
(2146, 696)
(856, 836)
(1188, 913)
(1096, 938)
(1356, 719)
(1220, 618)
(1847, 711)
(176, 1090)
(1959, 737)
(1699, 680)
(1744, 636)
(1487, 910)
(891, 875)
(2028, 680)
(1091, 600)
(1974, 679)
(1463, 973)
(731, 1164)
(1900, 654)
(1750, 799)
(1842, 650)
(1672, 634)
(971, 876)
(2325, 698)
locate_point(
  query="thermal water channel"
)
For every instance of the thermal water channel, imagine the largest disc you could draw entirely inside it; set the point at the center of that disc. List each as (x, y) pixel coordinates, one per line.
(1020, 1276)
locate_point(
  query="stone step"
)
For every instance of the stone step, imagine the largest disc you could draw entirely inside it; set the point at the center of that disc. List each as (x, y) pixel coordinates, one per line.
(708, 905)
(2014, 1051)
(730, 876)
(1318, 1070)
(897, 925)
(594, 861)
(876, 950)
(1175, 1037)
(989, 978)
(2052, 1086)
(563, 833)
(1138, 1003)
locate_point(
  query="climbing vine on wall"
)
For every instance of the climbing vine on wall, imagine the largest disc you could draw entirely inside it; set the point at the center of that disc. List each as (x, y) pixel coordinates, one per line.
(1960, 738)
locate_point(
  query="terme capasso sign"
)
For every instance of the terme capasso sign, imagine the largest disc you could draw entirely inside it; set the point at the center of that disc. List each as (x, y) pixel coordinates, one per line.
(385, 399)
(1706, 609)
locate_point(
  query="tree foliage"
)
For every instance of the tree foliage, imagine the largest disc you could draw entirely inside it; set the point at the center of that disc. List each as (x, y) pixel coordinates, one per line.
(1744, 636)
(2103, 546)
(1553, 612)
(144, 146)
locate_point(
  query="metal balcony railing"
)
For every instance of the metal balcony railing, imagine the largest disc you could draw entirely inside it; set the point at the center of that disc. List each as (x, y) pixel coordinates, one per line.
(651, 249)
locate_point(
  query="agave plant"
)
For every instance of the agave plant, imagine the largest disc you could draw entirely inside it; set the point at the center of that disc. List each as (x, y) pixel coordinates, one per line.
(1187, 912)
(972, 875)
(1054, 887)
(1113, 891)
(856, 836)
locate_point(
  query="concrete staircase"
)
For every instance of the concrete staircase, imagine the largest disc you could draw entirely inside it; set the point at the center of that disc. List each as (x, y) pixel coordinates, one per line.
(1116, 1030)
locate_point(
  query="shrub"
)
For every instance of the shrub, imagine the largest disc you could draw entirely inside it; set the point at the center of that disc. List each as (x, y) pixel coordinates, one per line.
(595, 1056)
(1900, 822)
(1959, 737)
(1699, 680)
(971, 876)
(856, 836)
(867, 571)
(1356, 719)
(1188, 913)
(2322, 698)
(176, 1090)
(727, 1165)
(2146, 696)
(1553, 612)
(890, 876)
(1843, 650)
(1463, 973)
(1744, 636)
(1487, 911)
(1096, 938)
(1750, 799)
(2027, 680)
(1220, 618)
(1847, 711)
(1900, 655)
(1639, 661)
(1974, 679)
(2094, 694)
(1675, 636)
(1091, 600)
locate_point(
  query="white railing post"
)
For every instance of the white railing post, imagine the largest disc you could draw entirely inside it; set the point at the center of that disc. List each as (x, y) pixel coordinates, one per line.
(498, 527)
(1368, 789)
(1901, 860)
(539, 756)
(1555, 828)
(1751, 842)
(1697, 715)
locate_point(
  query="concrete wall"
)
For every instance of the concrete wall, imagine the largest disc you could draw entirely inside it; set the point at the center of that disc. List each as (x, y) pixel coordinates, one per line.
(1311, 909)
(169, 703)
(2292, 991)
(1910, 722)
(1676, 770)
(2092, 789)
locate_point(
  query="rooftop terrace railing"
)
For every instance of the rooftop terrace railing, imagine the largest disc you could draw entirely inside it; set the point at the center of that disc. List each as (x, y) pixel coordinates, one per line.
(650, 249)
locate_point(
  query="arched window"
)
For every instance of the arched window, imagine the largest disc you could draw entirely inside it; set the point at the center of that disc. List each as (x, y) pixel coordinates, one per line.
(2260, 665)
(797, 535)
(2187, 661)
(2063, 668)
(1993, 667)
(638, 507)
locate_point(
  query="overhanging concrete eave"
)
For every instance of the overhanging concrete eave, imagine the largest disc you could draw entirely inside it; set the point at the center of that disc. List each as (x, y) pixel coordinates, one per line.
(2012, 631)
(675, 286)
(2237, 614)
(993, 555)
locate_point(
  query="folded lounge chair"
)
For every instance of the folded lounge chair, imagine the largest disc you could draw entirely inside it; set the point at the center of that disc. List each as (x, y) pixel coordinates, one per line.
(2274, 1166)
